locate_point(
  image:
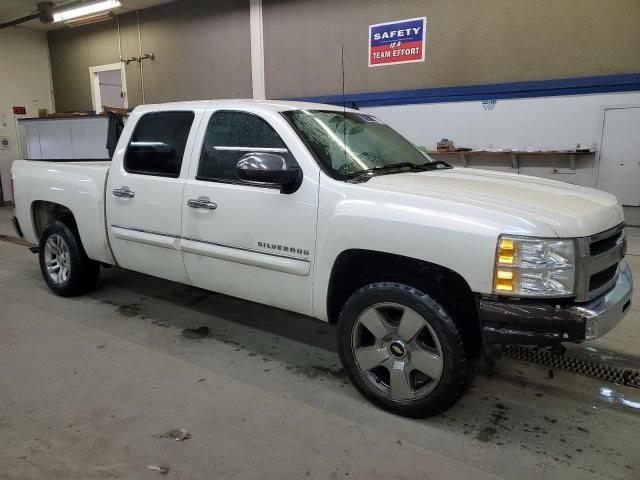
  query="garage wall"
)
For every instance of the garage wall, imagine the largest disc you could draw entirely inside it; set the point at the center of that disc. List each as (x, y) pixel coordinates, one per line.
(202, 50)
(72, 52)
(526, 124)
(499, 74)
(553, 123)
(548, 67)
(24, 81)
(468, 42)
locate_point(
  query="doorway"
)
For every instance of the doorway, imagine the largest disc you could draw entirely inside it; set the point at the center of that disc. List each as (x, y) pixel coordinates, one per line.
(619, 168)
(108, 87)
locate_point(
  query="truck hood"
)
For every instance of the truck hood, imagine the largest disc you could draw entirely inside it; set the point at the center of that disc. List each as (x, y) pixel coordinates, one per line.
(569, 210)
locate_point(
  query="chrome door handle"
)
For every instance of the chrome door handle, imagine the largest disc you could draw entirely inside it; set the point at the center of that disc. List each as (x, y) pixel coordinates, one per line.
(123, 192)
(202, 202)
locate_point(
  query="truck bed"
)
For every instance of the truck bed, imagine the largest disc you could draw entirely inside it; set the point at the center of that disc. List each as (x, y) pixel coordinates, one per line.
(78, 186)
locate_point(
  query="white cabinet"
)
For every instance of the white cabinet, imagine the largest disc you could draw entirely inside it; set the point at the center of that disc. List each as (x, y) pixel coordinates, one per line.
(67, 138)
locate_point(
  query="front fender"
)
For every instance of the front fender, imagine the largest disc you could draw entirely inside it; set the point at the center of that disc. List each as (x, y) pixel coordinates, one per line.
(459, 237)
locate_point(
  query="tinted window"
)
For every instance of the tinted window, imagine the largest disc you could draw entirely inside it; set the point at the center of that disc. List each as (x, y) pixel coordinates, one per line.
(157, 144)
(230, 136)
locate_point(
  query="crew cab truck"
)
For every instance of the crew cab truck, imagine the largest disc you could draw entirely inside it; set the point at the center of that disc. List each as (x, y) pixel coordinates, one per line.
(330, 213)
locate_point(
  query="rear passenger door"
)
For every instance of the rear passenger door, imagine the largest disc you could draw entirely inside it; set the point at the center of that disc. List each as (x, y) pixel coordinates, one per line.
(257, 243)
(145, 188)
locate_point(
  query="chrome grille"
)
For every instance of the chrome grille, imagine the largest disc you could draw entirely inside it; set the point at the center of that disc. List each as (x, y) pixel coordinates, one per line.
(604, 244)
(600, 279)
(599, 256)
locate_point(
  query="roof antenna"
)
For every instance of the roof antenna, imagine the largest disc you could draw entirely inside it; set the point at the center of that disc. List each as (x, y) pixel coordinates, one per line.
(344, 113)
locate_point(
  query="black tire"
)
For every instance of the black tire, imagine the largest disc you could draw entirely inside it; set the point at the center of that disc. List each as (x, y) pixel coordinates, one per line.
(456, 365)
(83, 272)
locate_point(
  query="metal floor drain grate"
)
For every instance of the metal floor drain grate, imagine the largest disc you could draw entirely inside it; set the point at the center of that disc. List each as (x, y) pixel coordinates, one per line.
(542, 356)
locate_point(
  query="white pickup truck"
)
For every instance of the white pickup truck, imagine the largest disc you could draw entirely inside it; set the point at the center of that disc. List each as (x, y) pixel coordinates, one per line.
(331, 213)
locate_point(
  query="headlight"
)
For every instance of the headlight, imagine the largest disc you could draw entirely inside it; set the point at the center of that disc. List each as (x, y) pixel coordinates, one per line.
(531, 267)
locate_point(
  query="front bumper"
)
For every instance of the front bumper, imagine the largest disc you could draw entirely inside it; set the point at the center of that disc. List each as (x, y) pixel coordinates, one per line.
(543, 323)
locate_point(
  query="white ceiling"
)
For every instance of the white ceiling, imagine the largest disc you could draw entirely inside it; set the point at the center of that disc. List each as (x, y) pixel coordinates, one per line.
(13, 9)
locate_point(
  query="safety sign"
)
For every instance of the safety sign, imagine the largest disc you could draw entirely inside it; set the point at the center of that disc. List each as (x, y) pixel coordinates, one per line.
(402, 41)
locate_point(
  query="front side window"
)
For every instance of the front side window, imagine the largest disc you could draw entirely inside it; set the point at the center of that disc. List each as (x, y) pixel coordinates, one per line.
(230, 135)
(349, 143)
(157, 144)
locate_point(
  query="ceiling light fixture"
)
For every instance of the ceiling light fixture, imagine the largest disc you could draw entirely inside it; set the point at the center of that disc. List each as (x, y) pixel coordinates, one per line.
(85, 10)
(98, 17)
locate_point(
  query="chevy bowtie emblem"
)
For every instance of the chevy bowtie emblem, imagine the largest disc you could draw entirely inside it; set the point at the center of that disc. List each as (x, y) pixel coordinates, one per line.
(397, 349)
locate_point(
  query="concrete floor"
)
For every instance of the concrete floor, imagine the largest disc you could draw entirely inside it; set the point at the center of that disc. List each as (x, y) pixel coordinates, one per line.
(6, 228)
(90, 384)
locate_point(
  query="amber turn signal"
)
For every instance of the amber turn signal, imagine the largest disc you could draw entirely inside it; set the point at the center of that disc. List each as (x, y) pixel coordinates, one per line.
(506, 251)
(504, 281)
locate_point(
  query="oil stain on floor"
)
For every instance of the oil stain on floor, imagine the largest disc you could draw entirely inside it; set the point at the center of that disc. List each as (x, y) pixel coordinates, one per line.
(196, 333)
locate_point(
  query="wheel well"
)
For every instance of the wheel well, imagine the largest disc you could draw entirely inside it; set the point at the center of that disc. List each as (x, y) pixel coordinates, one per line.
(44, 212)
(354, 269)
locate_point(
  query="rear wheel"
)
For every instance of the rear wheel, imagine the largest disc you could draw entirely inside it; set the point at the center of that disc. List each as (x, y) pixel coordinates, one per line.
(402, 350)
(64, 264)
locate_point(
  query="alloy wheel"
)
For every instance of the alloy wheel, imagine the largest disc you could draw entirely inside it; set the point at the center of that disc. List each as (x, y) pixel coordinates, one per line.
(57, 259)
(397, 351)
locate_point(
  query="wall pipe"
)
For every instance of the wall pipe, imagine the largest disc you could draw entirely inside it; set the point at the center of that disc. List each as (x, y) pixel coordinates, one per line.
(122, 73)
(20, 20)
(119, 39)
(140, 58)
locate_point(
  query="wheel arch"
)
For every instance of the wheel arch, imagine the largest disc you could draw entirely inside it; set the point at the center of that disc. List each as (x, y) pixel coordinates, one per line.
(355, 268)
(44, 212)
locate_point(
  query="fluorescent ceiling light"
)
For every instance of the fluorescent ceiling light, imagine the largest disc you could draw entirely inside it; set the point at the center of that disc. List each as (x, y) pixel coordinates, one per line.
(85, 10)
(98, 17)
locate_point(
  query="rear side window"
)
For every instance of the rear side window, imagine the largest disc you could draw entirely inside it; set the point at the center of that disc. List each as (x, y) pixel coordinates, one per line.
(157, 144)
(230, 136)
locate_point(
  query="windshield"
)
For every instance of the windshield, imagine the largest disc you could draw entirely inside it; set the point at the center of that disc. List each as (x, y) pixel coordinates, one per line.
(349, 144)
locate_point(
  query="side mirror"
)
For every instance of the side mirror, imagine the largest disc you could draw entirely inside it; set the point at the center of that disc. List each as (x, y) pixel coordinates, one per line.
(269, 169)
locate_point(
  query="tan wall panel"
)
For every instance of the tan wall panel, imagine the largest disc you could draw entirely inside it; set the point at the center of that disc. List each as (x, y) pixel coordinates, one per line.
(203, 48)
(72, 52)
(202, 51)
(468, 42)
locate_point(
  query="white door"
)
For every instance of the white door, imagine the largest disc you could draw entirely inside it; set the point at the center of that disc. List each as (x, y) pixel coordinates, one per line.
(108, 86)
(619, 170)
(252, 241)
(144, 193)
(110, 83)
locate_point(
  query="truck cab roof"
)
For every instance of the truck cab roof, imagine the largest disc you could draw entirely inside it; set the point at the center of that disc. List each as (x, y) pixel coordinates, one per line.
(266, 105)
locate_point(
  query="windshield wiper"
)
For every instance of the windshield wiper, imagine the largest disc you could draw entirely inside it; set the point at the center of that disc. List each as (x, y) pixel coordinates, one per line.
(435, 165)
(397, 168)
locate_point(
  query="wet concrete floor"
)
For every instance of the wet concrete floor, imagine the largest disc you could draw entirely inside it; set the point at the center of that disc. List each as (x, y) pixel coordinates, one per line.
(90, 383)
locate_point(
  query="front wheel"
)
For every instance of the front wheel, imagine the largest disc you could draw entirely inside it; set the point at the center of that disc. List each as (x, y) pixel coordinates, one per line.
(402, 350)
(64, 264)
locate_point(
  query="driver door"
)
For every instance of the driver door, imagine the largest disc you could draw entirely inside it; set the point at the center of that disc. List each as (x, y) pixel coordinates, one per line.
(242, 238)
